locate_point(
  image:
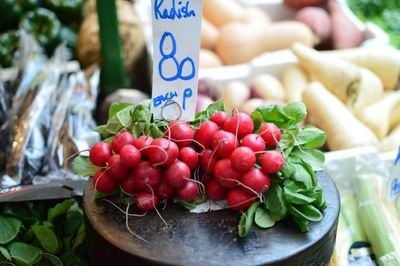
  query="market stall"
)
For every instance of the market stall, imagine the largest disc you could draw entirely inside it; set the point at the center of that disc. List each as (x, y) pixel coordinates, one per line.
(199, 132)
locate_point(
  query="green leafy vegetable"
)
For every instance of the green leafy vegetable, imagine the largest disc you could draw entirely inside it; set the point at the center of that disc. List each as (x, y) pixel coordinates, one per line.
(60, 209)
(275, 202)
(83, 166)
(283, 117)
(74, 219)
(307, 212)
(206, 114)
(246, 220)
(9, 228)
(24, 254)
(116, 107)
(263, 218)
(4, 252)
(47, 238)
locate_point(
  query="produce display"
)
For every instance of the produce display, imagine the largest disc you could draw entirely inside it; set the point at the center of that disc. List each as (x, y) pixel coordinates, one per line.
(42, 233)
(286, 100)
(348, 88)
(263, 165)
(50, 22)
(233, 33)
(367, 194)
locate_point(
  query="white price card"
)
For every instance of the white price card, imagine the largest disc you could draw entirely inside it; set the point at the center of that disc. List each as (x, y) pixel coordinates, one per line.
(176, 47)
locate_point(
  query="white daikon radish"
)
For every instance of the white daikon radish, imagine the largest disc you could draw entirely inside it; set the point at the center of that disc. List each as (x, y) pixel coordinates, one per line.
(331, 115)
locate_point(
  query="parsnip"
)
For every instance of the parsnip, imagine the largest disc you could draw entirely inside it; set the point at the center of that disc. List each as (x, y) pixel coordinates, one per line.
(394, 117)
(209, 34)
(331, 115)
(377, 116)
(384, 61)
(256, 15)
(241, 42)
(392, 141)
(340, 77)
(295, 81)
(370, 90)
(268, 87)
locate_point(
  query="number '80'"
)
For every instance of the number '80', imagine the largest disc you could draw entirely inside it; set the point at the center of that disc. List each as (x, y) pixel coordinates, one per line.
(170, 55)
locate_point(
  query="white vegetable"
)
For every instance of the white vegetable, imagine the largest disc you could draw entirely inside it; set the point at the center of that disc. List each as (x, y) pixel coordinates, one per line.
(268, 87)
(392, 141)
(295, 81)
(377, 116)
(250, 105)
(234, 95)
(331, 115)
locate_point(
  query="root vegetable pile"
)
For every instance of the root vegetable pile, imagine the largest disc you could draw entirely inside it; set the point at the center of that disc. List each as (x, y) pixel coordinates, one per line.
(263, 166)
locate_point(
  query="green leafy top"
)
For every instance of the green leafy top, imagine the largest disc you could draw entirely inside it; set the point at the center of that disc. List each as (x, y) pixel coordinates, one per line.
(295, 191)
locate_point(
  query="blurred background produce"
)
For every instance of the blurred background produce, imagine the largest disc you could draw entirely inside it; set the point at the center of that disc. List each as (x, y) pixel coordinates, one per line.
(385, 13)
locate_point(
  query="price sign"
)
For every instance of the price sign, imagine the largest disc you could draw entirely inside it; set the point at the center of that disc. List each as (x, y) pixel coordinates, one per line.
(176, 45)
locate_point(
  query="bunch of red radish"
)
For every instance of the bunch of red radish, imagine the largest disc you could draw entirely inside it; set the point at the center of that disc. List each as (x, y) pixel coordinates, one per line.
(222, 155)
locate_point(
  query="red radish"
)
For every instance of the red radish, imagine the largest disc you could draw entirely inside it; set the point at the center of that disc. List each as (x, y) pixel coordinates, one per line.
(225, 175)
(240, 123)
(180, 132)
(165, 192)
(256, 180)
(188, 192)
(215, 191)
(224, 143)
(141, 142)
(129, 186)
(243, 159)
(240, 200)
(189, 157)
(205, 178)
(205, 133)
(219, 118)
(146, 175)
(254, 142)
(165, 154)
(103, 182)
(115, 169)
(146, 201)
(130, 156)
(100, 153)
(120, 140)
(177, 174)
(208, 160)
(272, 161)
(271, 134)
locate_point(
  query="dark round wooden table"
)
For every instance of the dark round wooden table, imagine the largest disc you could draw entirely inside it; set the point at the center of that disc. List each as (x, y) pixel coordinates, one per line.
(206, 238)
